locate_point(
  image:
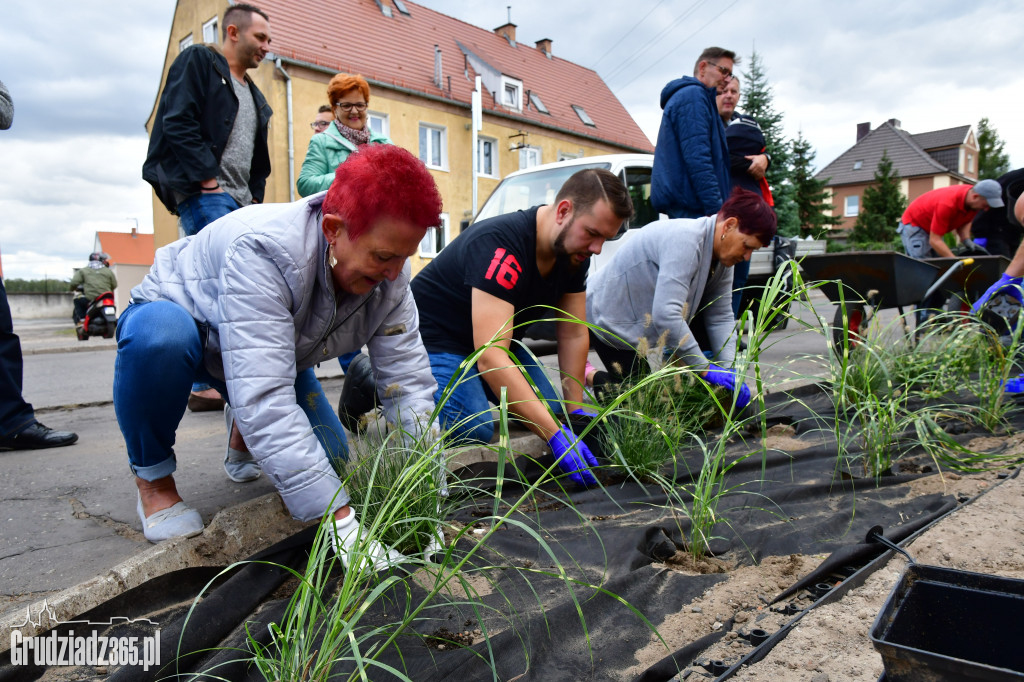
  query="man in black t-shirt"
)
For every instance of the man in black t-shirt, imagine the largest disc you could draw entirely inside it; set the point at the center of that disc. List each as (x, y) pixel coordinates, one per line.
(997, 230)
(484, 289)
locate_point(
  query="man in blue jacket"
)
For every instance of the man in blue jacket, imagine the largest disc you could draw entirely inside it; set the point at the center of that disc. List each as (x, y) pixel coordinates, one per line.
(691, 160)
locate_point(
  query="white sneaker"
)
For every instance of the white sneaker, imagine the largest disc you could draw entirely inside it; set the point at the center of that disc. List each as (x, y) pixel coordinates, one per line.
(179, 521)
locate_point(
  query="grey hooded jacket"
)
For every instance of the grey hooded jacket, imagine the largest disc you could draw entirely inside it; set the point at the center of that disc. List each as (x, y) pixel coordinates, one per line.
(257, 284)
(657, 282)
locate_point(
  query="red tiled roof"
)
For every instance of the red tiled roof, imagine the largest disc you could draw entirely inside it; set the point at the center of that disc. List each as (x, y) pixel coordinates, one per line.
(127, 248)
(354, 36)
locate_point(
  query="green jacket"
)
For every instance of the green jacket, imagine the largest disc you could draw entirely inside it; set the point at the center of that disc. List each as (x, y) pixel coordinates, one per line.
(326, 152)
(94, 281)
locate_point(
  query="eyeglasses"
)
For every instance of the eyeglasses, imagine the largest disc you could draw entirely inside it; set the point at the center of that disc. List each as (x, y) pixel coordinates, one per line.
(319, 125)
(721, 69)
(349, 106)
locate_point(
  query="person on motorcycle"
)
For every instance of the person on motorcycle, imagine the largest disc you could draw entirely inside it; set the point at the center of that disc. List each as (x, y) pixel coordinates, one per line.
(95, 279)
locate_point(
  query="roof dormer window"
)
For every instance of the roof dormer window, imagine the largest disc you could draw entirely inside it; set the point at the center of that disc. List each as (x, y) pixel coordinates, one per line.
(512, 93)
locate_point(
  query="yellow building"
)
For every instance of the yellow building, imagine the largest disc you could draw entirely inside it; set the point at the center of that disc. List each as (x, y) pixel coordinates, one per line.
(422, 67)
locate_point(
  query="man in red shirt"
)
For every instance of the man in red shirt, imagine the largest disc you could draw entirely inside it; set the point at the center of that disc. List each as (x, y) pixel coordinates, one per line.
(943, 210)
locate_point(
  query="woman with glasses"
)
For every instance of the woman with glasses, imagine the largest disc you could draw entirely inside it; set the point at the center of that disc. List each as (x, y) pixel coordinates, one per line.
(348, 96)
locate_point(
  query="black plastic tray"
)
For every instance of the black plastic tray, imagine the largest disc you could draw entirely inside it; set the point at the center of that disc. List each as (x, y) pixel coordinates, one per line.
(944, 624)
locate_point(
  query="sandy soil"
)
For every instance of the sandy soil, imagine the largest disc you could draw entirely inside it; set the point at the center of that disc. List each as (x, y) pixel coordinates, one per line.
(831, 643)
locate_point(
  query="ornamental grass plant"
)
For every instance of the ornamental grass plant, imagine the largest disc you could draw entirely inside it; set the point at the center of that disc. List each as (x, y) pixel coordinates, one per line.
(900, 389)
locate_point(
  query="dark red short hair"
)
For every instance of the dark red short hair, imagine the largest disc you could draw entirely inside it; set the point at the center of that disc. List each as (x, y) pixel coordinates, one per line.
(383, 180)
(756, 217)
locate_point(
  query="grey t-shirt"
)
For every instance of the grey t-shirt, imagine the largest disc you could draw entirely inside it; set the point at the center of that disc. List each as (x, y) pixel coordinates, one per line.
(236, 161)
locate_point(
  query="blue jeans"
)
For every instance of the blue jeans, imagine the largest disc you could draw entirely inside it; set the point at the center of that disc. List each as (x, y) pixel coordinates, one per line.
(195, 213)
(466, 410)
(159, 354)
(15, 414)
(199, 210)
(346, 359)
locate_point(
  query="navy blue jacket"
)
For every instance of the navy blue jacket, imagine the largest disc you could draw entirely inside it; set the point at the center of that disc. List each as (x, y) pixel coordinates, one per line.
(193, 121)
(690, 178)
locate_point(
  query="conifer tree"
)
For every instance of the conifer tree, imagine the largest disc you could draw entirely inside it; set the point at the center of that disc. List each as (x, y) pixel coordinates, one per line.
(810, 195)
(882, 207)
(992, 160)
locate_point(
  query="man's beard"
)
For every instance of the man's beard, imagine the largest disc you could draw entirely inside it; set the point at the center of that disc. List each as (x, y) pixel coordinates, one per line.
(560, 239)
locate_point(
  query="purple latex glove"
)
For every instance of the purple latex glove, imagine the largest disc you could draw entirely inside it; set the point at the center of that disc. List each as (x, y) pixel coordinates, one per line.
(573, 457)
(1006, 285)
(583, 412)
(726, 378)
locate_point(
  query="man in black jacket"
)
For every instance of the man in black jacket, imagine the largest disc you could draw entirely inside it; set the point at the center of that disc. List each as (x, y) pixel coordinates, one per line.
(208, 152)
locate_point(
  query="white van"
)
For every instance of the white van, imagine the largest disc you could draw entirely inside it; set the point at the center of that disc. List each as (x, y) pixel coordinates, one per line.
(539, 185)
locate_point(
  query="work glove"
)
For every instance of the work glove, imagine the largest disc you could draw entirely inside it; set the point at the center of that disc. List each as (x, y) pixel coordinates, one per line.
(583, 412)
(726, 378)
(1005, 285)
(573, 457)
(348, 543)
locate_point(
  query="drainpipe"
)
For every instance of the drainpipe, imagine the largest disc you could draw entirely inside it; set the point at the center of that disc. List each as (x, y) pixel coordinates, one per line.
(291, 131)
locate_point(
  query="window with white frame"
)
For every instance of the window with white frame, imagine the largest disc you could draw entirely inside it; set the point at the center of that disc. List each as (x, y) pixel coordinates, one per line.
(970, 163)
(436, 238)
(185, 42)
(487, 157)
(565, 156)
(434, 146)
(511, 93)
(210, 31)
(378, 123)
(529, 157)
(851, 206)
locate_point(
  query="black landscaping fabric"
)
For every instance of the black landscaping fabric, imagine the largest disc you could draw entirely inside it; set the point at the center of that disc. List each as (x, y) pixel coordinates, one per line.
(539, 625)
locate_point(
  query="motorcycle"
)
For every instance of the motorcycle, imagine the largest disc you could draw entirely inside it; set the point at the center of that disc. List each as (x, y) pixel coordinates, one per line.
(100, 318)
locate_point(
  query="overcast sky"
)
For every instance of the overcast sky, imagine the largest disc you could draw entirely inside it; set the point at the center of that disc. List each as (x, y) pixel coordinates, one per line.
(83, 76)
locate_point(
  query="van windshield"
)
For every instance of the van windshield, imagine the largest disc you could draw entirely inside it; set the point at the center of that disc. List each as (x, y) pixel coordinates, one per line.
(530, 189)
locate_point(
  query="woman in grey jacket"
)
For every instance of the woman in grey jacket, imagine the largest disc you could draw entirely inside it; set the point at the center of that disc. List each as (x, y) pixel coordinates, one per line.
(668, 272)
(252, 303)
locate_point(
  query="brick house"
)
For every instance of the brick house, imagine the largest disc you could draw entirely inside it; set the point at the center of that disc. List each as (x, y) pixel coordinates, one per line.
(422, 67)
(923, 162)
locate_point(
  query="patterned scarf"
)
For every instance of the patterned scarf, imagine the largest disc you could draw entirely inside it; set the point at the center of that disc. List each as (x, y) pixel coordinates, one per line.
(356, 137)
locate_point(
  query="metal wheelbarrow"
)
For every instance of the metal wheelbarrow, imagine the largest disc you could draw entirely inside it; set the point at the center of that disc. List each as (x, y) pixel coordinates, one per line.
(863, 282)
